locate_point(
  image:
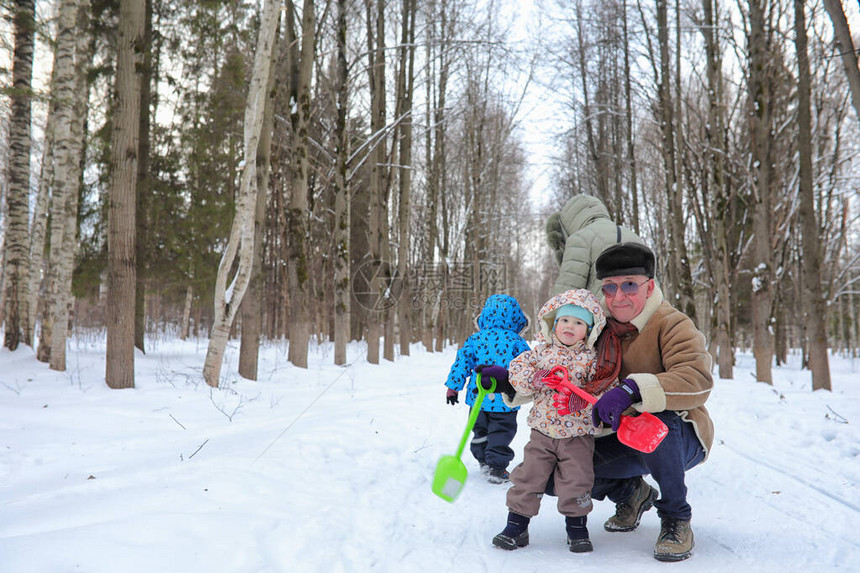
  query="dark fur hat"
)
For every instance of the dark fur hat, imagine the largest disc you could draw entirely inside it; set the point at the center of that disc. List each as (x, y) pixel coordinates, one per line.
(623, 259)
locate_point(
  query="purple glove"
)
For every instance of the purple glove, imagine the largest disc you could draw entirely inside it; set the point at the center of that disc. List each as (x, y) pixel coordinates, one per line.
(610, 406)
(500, 374)
(451, 396)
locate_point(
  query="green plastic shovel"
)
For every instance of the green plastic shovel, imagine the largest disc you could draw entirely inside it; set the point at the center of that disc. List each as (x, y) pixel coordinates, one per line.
(451, 473)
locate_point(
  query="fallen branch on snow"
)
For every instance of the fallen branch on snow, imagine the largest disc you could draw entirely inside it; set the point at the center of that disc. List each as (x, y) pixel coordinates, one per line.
(838, 417)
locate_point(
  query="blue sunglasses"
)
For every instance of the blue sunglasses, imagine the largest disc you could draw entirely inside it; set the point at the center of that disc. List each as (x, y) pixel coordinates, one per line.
(627, 287)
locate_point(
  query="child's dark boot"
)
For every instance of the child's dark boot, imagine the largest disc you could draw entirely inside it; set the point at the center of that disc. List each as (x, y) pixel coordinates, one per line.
(577, 534)
(498, 475)
(515, 534)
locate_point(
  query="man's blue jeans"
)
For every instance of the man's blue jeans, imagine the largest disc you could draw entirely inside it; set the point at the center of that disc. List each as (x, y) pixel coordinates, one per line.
(617, 466)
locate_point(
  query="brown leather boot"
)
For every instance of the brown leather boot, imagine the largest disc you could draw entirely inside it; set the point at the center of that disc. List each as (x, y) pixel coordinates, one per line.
(675, 542)
(628, 514)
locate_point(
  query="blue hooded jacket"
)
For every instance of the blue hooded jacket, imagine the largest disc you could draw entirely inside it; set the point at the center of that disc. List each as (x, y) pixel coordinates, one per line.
(497, 342)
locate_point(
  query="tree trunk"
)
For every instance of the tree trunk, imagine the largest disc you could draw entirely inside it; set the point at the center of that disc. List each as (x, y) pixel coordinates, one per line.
(52, 344)
(119, 372)
(342, 200)
(299, 273)
(252, 315)
(2, 257)
(596, 154)
(815, 309)
(846, 49)
(241, 242)
(144, 184)
(440, 167)
(40, 222)
(759, 109)
(406, 88)
(628, 113)
(849, 301)
(186, 313)
(383, 180)
(16, 261)
(717, 185)
(80, 113)
(683, 283)
(430, 231)
(377, 220)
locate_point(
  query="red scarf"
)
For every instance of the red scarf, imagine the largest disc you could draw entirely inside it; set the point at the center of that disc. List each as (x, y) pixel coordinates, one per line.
(608, 351)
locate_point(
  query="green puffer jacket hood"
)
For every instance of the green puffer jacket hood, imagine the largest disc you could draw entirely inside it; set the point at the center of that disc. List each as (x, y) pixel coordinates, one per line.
(580, 211)
(578, 234)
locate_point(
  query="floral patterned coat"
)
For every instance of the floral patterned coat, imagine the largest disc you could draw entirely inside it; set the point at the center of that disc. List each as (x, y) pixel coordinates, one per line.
(527, 369)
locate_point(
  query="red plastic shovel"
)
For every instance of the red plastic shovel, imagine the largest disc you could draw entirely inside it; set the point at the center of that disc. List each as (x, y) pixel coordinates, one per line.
(642, 432)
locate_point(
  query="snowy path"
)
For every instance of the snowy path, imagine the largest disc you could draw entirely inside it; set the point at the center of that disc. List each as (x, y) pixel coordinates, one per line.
(329, 470)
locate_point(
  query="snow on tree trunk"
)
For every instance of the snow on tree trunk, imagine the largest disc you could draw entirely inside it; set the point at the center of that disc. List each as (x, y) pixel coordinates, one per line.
(241, 241)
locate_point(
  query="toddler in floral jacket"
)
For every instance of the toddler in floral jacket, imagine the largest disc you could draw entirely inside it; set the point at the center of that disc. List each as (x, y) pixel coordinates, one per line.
(560, 445)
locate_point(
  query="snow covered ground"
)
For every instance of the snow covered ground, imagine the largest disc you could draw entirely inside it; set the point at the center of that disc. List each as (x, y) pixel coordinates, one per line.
(329, 470)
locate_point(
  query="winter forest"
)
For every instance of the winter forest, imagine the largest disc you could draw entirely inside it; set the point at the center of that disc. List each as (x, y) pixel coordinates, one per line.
(371, 170)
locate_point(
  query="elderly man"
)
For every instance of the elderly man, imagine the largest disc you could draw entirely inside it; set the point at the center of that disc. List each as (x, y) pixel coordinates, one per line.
(664, 369)
(659, 356)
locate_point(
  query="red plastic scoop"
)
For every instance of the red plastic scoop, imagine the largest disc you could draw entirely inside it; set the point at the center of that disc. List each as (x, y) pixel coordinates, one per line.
(642, 432)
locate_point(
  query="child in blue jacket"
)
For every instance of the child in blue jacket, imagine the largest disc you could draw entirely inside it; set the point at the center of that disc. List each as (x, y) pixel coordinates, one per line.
(496, 343)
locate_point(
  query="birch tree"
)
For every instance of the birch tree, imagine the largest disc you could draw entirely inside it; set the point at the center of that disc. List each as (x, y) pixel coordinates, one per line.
(251, 304)
(41, 209)
(16, 260)
(241, 241)
(64, 196)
